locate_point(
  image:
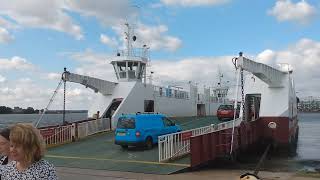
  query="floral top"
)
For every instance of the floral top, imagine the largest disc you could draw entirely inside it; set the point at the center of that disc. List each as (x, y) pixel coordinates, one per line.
(4, 160)
(41, 170)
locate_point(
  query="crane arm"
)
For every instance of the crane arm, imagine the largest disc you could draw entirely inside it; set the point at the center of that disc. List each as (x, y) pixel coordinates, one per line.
(98, 85)
(271, 76)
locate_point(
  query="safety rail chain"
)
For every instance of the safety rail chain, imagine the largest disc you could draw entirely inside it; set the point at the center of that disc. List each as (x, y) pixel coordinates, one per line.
(68, 133)
(175, 145)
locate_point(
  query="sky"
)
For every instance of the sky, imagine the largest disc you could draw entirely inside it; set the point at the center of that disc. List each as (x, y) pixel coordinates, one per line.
(189, 40)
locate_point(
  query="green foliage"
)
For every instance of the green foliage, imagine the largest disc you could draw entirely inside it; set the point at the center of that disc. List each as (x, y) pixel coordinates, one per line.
(5, 110)
(8, 110)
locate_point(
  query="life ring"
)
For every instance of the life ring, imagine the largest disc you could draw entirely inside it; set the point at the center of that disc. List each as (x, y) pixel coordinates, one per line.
(249, 176)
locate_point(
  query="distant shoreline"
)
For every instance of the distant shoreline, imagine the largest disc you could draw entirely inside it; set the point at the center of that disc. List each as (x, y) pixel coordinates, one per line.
(67, 112)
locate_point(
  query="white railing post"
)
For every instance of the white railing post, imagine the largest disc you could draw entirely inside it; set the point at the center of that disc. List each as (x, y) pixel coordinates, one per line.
(64, 134)
(178, 144)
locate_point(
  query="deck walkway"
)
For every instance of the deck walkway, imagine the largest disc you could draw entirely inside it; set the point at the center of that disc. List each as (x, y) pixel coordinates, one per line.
(99, 152)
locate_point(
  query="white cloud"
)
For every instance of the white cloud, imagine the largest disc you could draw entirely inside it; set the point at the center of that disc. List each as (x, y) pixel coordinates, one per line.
(112, 42)
(153, 36)
(2, 79)
(55, 15)
(5, 36)
(16, 63)
(94, 64)
(53, 76)
(89, 56)
(156, 38)
(15, 94)
(304, 57)
(189, 3)
(7, 24)
(301, 12)
(156, 5)
(115, 14)
(198, 69)
(202, 70)
(25, 80)
(267, 56)
(107, 12)
(41, 14)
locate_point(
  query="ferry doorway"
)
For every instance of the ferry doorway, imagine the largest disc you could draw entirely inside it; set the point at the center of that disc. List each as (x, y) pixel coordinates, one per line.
(201, 110)
(112, 108)
(252, 106)
(148, 106)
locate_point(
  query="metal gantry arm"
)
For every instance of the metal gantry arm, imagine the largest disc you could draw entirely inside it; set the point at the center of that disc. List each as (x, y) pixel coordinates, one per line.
(271, 76)
(98, 85)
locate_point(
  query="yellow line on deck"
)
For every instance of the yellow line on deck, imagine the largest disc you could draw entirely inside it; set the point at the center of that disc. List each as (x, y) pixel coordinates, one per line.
(116, 160)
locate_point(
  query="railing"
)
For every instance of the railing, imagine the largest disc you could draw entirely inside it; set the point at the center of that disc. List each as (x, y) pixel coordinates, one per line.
(178, 144)
(135, 52)
(64, 134)
(60, 135)
(170, 92)
(92, 127)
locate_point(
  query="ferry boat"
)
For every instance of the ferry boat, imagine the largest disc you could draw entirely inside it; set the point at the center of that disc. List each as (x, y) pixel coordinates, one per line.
(132, 93)
(261, 122)
(268, 115)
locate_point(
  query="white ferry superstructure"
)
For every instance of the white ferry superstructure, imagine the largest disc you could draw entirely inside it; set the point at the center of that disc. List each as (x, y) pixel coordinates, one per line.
(131, 93)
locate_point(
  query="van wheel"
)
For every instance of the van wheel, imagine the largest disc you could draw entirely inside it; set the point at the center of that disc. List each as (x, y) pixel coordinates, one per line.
(149, 142)
(124, 146)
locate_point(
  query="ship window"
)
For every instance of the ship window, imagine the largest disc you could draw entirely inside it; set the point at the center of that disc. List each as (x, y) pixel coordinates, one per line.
(122, 70)
(141, 71)
(132, 69)
(121, 66)
(132, 66)
(122, 74)
(131, 74)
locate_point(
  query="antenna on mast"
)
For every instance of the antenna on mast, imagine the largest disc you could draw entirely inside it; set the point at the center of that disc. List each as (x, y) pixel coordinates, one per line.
(129, 38)
(220, 76)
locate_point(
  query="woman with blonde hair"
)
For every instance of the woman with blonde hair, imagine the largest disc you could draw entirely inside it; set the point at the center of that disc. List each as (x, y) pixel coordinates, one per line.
(5, 147)
(27, 150)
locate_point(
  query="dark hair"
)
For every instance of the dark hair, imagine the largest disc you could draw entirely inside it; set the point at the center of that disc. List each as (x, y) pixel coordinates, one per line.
(5, 133)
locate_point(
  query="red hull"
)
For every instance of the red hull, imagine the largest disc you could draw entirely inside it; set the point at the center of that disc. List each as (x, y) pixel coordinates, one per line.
(210, 146)
(284, 133)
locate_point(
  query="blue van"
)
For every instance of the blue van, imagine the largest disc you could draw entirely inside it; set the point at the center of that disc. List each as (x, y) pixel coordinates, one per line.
(143, 129)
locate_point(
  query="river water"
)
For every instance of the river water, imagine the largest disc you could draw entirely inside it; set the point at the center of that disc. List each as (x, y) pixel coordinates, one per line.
(309, 136)
(47, 120)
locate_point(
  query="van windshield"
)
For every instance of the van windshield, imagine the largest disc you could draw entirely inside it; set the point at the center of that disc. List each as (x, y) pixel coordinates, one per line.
(126, 123)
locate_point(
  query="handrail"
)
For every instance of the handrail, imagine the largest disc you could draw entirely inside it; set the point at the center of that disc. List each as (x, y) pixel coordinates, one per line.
(72, 132)
(178, 144)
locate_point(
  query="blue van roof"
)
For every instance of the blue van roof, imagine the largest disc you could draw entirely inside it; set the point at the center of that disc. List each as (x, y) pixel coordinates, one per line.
(142, 115)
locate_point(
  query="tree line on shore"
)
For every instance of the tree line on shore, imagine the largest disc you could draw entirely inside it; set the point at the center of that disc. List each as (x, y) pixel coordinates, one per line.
(18, 110)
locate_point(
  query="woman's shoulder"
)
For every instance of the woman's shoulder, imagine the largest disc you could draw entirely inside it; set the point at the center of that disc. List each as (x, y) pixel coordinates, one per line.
(4, 160)
(10, 167)
(45, 168)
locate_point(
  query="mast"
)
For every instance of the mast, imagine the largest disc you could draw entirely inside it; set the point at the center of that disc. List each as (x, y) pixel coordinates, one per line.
(130, 63)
